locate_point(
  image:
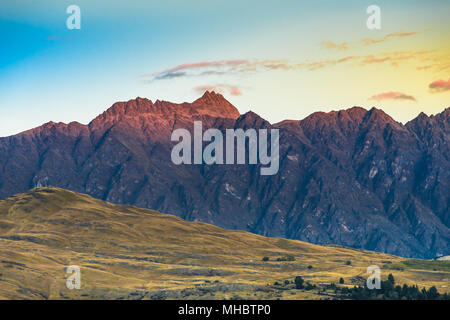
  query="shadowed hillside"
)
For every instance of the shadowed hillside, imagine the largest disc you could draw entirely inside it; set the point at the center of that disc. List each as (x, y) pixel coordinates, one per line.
(130, 253)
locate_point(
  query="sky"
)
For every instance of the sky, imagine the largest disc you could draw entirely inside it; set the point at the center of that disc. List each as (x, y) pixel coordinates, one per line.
(281, 59)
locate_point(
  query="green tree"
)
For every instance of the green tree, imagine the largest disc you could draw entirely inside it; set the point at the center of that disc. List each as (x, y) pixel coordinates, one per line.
(391, 278)
(299, 282)
(309, 286)
(432, 293)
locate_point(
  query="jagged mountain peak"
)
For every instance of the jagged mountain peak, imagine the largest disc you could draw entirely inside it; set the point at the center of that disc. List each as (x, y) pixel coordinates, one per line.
(356, 112)
(130, 107)
(211, 96)
(214, 104)
(345, 119)
(378, 114)
(210, 104)
(421, 117)
(251, 120)
(72, 128)
(353, 113)
(378, 118)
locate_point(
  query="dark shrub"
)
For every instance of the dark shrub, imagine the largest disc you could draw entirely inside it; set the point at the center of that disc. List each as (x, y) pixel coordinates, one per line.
(391, 278)
(290, 258)
(299, 282)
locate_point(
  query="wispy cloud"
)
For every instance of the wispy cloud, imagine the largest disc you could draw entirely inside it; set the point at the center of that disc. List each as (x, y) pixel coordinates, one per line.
(201, 65)
(401, 34)
(55, 37)
(392, 96)
(394, 58)
(375, 59)
(371, 41)
(428, 58)
(170, 75)
(440, 85)
(334, 45)
(366, 41)
(394, 35)
(219, 88)
(437, 62)
(424, 67)
(219, 67)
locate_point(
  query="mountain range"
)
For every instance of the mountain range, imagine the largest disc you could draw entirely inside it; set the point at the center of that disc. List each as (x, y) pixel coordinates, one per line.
(353, 177)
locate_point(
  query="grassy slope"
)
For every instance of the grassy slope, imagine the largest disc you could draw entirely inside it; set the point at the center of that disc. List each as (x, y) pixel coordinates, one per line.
(126, 252)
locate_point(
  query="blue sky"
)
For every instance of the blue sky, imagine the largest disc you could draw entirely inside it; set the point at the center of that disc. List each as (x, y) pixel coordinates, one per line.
(51, 73)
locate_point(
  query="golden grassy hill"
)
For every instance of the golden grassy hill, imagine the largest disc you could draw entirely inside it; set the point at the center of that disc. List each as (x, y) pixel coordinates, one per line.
(130, 253)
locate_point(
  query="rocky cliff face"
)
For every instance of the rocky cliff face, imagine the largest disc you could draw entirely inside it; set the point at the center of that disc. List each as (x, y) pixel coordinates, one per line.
(352, 177)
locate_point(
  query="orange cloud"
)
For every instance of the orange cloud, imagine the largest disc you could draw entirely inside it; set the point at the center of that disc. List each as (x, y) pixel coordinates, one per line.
(370, 41)
(348, 58)
(220, 88)
(400, 34)
(440, 86)
(367, 41)
(437, 62)
(333, 45)
(395, 57)
(391, 96)
(425, 58)
(373, 59)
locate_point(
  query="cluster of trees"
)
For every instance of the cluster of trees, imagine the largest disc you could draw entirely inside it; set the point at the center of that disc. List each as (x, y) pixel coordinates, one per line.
(300, 284)
(390, 291)
(286, 258)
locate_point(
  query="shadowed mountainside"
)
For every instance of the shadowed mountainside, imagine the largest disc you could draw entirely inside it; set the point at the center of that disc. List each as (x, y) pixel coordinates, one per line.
(352, 177)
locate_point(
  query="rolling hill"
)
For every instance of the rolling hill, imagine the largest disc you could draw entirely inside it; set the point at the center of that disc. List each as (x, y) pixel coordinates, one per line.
(129, 253)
